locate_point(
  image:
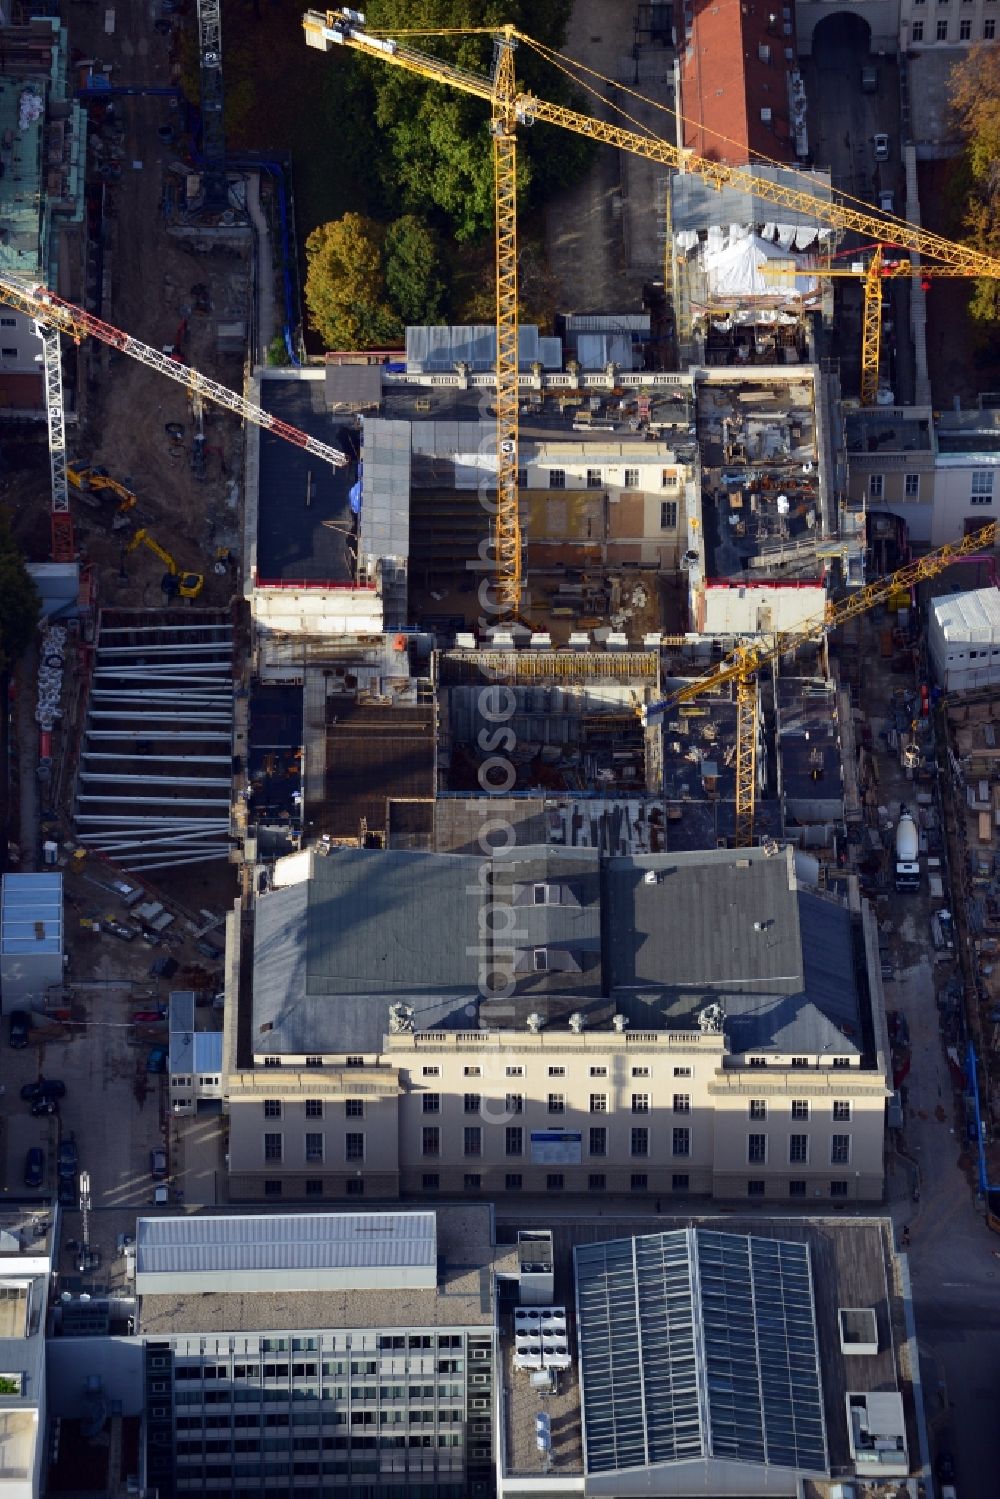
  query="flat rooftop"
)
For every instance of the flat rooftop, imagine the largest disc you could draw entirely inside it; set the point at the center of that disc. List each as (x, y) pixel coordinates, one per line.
(372, 751)
(895, 431)
(809, 747)
(304, 514)
(852, 1265)
(463, 1295)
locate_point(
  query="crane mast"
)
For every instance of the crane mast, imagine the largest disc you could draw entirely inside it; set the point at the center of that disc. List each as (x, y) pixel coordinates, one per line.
(55, 312)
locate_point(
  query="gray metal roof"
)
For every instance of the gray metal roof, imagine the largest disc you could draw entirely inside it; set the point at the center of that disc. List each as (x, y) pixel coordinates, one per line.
(730, 926)
(699, 1345)
(441, 348)
(695, 204)
(31, 913)
(385, 489)
(971, 618)
(285, 1244)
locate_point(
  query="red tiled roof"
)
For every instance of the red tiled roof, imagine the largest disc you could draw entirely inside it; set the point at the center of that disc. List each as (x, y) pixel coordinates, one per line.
(734, 66)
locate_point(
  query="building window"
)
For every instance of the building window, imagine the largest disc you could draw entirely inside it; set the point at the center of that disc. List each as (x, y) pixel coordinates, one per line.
(355, 1147)
(682, 1103)
(430, 1181)
(473, 1140)
(598, 1072)
(639, 1182)
(681, 1140)
(8, 322)
(272, 1147)
(756, 1147)
(682, 1072)
(668, 515)
(8, 353)
(473, 1102)
(800, 1061)
(989, 29)
(982, 486)
(515, 1072)
(473, 1181)
(354, 1108)
(431, 1140)
(640, 1103)
(314, 1108)
(755, 1188)
(598, 1103)
(796, 1189)
(800, 1108)
(640, 1071)
(758, 1108)
(514, 1135)
(599, 1141)
(355, 1061)
(798, 1150)
(668, 479)
(965, 31)
(555, 1181)
(875, 484)
(272, 1108)
(557, 1103)
(596, 1181)
(355, 1186)
(917, 29)
(314, 1187)
(314, 1061)
(942, 31)
(840, 1150)
(272, 1061)
(272, 1188)
(513, 1181)
(557, 1072)
(594, 478)
(631, 478)
(640, 1141)
(841, 1111)
(911, 486)
(314, 1149)
(557, 478)
(757, 1061)
(432, 1103)
(514, 1103)
(431, 1071)
(842, 1061)
(522, 478)
(838, 1189)
(680, 1181)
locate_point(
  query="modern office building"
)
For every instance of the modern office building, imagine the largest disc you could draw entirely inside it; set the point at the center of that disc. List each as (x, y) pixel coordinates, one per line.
(547, 1021)
(26, 1248)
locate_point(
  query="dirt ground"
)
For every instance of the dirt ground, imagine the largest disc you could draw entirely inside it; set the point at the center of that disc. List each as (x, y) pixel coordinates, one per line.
(123, 407)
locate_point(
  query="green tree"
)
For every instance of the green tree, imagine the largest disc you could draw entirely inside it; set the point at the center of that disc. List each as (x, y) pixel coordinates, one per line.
(277, 353)
(19, 602)
(345, 285)
(975, 101)
(412, 270)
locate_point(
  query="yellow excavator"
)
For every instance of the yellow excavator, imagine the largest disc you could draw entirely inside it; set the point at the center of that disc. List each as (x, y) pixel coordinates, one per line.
(91, 479)
(187, 585)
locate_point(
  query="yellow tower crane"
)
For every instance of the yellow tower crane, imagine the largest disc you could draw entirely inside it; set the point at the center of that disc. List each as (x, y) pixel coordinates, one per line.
(877, 270)
(744, 663)
(511, 107)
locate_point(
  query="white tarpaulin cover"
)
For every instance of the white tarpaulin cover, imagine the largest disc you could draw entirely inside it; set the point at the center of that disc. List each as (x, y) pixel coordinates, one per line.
(733, 269)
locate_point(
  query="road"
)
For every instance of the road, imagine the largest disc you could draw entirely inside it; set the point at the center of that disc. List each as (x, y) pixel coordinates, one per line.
(955, 1274)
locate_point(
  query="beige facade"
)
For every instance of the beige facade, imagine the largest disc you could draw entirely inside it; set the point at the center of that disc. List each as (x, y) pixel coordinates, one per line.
(669, 1113)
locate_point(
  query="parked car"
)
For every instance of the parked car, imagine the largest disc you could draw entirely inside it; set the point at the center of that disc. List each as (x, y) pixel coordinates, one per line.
(34, 1167)
(881, 144)
(126, 933)
(68, 1157)
(149, 1017)
(157, 1059)
(161, 1197)
(45, 1087)
(158, 1163)
(886, 201)
(68, 1192)
(20, 1025)
(43, 1107)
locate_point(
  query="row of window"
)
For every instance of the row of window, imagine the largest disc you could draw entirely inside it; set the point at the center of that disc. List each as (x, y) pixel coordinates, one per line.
(517, 1070)
(556, 1103)
(353, 1187)
(596, 479)
(964, 30)
(315, 1147)
(801, 1109)
(354, 1108)
(798, 1149)
(597, 1181)
(472, 1142)
(981, 490)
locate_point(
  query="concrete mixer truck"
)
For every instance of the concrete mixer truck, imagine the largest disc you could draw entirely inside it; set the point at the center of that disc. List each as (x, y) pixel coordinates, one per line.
(907, 852)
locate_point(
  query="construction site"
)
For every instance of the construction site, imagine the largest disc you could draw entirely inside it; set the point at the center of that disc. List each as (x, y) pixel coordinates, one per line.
(602, 586)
